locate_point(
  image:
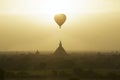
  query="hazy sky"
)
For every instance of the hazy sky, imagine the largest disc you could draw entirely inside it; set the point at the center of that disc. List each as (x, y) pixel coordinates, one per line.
(92, 25)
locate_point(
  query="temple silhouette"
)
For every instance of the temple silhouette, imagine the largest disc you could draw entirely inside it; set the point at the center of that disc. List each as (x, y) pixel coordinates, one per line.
(60, 50)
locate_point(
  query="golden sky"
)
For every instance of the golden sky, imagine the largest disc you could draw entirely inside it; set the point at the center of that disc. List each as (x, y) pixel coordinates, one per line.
(91, 25)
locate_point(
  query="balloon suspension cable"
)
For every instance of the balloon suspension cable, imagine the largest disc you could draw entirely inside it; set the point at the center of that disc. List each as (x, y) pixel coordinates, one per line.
(59, 27)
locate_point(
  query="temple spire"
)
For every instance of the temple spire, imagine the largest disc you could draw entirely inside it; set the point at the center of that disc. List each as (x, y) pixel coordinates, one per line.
(60, 44)
(60, 50)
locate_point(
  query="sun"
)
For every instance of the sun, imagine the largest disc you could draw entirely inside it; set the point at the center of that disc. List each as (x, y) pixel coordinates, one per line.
(52, 7)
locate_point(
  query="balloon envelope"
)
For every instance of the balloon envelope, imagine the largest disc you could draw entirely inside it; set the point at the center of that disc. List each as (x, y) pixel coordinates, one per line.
(60, 19)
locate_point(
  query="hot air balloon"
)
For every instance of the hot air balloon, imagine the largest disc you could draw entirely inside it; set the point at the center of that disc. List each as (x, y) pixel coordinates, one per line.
(60, 19)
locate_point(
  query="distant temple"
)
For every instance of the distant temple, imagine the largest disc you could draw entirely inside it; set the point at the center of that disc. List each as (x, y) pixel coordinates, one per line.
(37, 52)
(60, 50)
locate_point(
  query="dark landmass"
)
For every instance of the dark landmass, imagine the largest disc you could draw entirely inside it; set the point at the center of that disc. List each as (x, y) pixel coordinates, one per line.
(73, 66)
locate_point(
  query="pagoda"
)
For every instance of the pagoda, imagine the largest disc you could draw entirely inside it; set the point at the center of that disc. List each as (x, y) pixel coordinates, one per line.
(60, 50)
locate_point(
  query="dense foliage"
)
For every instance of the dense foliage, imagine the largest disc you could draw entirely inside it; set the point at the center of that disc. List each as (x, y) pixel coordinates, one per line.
(72, 66)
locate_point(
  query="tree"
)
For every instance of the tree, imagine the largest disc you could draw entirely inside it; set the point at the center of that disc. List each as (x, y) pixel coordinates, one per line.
(2, 74)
